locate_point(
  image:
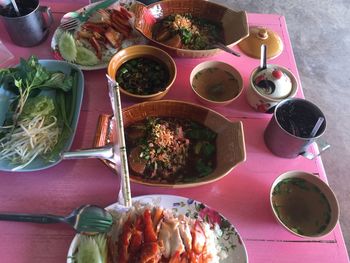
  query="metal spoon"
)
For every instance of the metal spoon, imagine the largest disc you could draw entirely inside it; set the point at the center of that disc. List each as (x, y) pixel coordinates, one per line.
(87, 218)
(15, 7)
(225, 48)
(317, 126)
(263, 64)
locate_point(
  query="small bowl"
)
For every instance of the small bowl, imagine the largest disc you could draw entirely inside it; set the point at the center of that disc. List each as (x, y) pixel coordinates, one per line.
(304, 204)
(264, 103)
(234, 23)
(138, 51)
(216, 83)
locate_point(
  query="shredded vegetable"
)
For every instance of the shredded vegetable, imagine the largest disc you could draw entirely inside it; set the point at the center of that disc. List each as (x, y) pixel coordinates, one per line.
(92, 249)
(31, 137)
(38, 119)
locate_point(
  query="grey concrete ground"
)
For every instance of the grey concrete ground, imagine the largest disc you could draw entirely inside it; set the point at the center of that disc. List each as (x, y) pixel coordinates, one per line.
(320, 36)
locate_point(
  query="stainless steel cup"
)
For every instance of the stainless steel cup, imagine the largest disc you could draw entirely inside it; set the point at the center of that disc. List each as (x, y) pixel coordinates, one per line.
(288, 132)
(32, 27)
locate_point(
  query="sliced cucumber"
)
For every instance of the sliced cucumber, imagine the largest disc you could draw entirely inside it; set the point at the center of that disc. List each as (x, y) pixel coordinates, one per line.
(89, 251)
(86, 57)
(67, 47)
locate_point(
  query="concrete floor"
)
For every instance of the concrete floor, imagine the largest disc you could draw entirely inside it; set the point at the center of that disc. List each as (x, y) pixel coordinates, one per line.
(320, 36)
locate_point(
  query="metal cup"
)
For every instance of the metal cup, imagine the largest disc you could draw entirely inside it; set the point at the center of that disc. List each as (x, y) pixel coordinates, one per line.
(288, 133)
(31, 27)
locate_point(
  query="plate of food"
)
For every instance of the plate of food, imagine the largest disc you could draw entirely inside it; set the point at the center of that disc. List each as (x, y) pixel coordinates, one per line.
(92, 44)
(162, 228)
(40, 103)
(175, 144)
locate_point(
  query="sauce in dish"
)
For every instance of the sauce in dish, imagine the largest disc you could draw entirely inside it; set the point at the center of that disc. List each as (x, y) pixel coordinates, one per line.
(215, 84)
(301, 206)
(143, 76)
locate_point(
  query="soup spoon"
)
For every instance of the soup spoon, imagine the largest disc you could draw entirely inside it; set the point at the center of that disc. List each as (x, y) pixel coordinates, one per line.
(226, 49)
(87, 218)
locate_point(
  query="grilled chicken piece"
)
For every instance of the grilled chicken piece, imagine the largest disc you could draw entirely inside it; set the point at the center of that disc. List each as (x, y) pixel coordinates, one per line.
(185, 233)
(114, 38)
(169, 235)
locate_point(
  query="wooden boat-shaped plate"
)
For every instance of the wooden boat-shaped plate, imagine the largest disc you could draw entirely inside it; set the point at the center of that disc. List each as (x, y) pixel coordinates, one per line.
(229, 142)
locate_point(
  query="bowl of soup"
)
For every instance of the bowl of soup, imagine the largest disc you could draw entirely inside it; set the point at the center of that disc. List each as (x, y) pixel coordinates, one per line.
(176, 144)
(143, 72)
(188, 28)
(216, 83)
(304, 204)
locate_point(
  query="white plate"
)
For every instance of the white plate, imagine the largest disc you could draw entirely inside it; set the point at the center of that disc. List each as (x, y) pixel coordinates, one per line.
(230, 240)
(135, 37)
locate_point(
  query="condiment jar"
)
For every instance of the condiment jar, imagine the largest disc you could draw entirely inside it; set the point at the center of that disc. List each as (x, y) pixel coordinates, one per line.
(269, 86)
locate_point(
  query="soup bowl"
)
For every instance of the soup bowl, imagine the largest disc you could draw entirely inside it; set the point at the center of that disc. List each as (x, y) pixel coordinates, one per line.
(229, 142)
(234, 23)
(304, 204)
(151, 55)
(216, 83)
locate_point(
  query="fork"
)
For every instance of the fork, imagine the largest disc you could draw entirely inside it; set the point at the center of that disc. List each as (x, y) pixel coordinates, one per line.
(87, 218)
(74, 22)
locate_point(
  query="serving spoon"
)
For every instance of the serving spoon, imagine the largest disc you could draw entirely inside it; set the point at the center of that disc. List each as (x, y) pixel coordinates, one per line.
(225, 48)
(87, 218)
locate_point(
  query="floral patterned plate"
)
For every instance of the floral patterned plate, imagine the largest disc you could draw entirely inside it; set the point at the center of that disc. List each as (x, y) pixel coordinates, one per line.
(229, 239)
(133, 39)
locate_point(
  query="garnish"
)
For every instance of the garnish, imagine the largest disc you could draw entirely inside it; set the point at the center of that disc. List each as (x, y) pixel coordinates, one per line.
(67, 47)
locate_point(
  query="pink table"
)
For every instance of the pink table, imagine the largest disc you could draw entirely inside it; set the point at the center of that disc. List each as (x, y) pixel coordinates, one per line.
(242, 196)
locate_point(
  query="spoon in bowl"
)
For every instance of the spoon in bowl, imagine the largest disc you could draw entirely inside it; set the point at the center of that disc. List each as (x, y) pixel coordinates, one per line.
(87, 218)
(225, 48)
(263, 63)
(15, 7)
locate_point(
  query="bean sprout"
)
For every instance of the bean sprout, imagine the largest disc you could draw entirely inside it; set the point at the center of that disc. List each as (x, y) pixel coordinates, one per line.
(29, 139)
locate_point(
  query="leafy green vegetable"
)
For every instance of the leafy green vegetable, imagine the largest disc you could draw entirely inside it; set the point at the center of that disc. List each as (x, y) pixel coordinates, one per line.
(29, 107)
(65, 113)
(39, 105)
(29, 76)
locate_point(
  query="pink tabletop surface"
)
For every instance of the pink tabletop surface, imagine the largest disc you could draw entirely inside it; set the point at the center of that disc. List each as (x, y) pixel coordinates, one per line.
(242, 196)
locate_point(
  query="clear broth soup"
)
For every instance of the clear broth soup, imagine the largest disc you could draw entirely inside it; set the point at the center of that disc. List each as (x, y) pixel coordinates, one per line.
(301, 206)
(215, 84)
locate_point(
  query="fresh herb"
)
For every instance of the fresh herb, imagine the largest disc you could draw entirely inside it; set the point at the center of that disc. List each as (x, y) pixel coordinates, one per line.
(27, 78)
(32, 113)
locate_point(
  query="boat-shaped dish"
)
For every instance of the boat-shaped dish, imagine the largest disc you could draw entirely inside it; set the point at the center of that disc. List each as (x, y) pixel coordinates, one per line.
(230, 147)
(234, 23)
